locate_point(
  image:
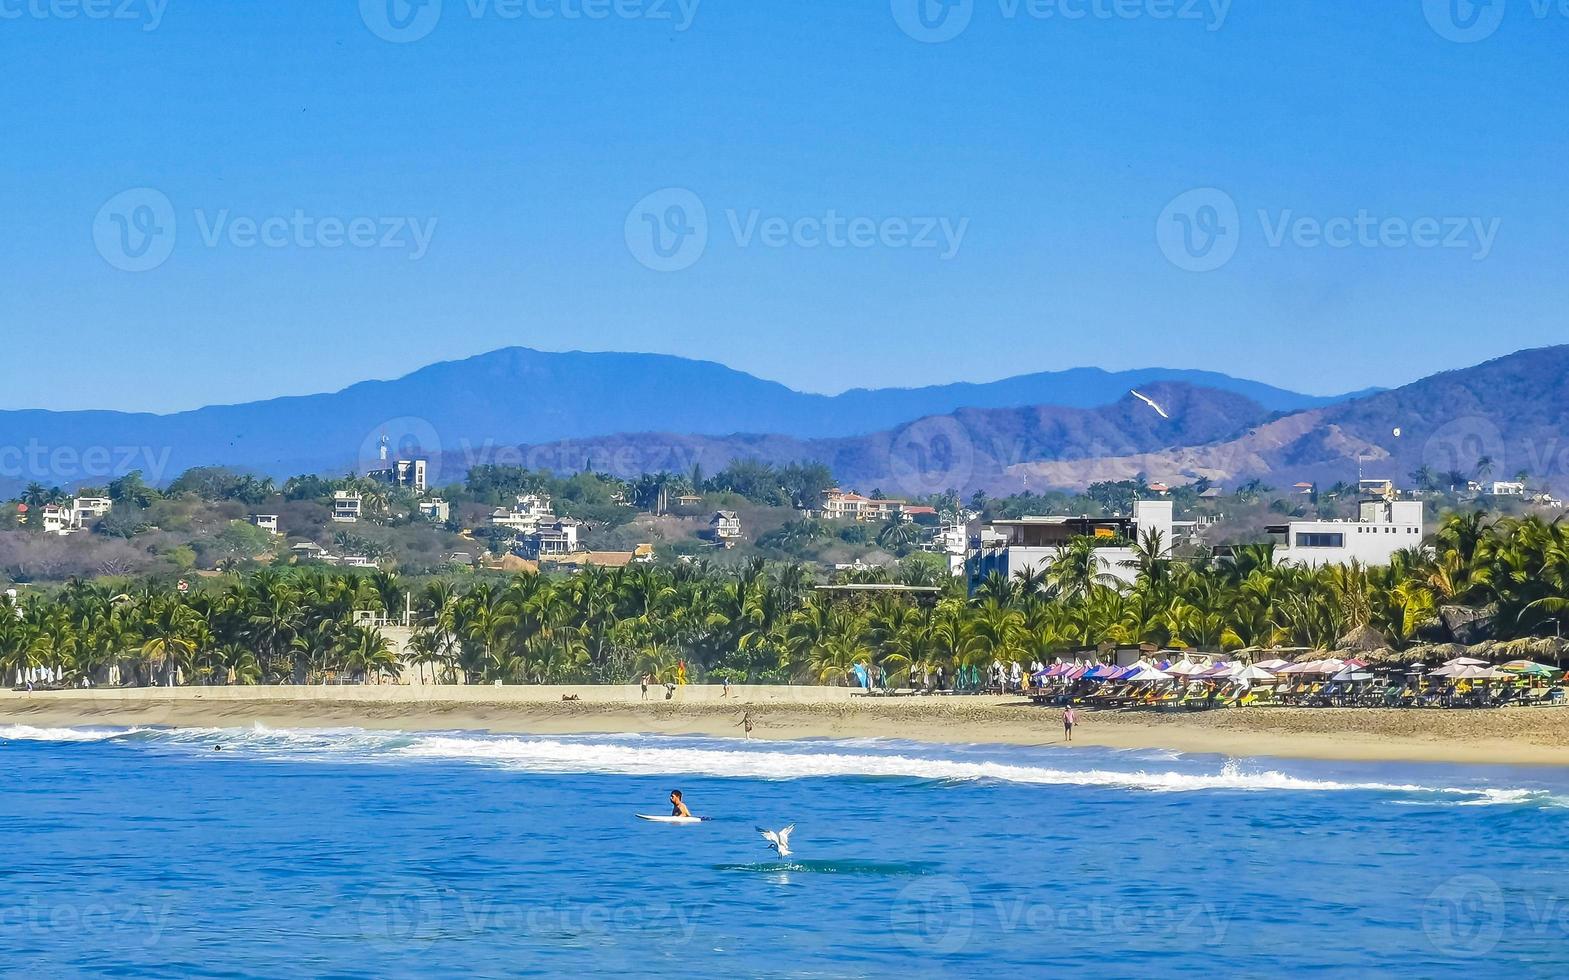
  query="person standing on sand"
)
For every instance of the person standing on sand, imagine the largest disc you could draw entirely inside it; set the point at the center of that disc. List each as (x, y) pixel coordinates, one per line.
(726, 692)
(646, 679)
(1069, 719)
(745, 724)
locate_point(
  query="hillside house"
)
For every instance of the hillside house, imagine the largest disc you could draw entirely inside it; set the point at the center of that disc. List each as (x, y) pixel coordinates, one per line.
(725, 527)
(267, 522)
(559, 537)
(525, 515)
(347, 507)
(89, 509)
(435, 510)
(840, 505)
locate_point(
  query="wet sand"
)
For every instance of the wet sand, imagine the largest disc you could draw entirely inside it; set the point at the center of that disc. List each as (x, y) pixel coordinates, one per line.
(1516, 736)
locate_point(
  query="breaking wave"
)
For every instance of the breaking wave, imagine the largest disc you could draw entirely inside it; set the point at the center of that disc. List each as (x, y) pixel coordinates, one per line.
(663, 756)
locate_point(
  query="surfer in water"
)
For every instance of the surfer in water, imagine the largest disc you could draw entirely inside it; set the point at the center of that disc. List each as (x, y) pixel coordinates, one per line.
(677, 806)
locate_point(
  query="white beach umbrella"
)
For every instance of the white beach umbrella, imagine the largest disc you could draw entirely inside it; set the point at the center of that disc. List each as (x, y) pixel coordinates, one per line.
(1465, 662)
(1253, 674)
(1149, 675)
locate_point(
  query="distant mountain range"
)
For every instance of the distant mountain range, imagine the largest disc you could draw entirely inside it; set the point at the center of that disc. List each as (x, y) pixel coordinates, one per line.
(631, 413)
(464, 411)
(1493, 421)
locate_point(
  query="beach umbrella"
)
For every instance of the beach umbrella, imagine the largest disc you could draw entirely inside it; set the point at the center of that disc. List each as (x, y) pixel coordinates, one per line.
(1530, 668)
(1149, 675)
(1351, 675)
(1464, 672)
(1273, 665)
(1465, 662)
(1254, 673)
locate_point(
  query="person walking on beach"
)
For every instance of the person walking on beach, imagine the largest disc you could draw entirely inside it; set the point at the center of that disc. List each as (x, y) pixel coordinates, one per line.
(745, 724)
(646, 679)
(726, 692)
(1069, 719)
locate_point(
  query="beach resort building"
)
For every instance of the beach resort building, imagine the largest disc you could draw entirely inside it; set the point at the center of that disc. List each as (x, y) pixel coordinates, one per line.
(1382, 528)
(1028, 545)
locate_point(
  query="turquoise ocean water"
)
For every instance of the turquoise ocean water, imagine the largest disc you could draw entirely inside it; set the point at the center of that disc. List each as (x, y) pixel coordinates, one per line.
(365, 854)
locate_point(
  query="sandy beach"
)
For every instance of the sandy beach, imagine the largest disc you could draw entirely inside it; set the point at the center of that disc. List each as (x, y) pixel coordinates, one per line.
(1518, 736)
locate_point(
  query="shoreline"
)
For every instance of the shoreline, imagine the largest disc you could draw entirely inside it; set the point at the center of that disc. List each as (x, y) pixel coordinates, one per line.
(1505, 736)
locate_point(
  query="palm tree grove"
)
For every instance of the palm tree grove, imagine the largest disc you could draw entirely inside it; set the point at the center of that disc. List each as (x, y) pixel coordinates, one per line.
(767, 622)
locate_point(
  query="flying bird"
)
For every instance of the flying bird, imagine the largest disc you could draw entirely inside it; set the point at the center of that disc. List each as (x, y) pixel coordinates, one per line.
(778, 840)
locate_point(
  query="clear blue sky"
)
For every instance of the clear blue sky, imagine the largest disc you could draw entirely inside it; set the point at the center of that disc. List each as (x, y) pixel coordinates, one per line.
(529, 141)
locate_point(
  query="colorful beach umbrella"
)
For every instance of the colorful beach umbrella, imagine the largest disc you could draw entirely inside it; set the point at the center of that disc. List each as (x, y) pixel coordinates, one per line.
(1530, 668)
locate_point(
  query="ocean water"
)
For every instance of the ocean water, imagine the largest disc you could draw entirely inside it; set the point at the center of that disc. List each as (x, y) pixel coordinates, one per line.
(366, 854)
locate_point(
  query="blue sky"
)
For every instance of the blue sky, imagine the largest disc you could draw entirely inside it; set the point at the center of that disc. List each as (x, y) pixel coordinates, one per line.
(1006, 200)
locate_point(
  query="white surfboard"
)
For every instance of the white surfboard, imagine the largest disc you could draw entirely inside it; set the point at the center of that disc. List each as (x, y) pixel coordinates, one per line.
(680, 821)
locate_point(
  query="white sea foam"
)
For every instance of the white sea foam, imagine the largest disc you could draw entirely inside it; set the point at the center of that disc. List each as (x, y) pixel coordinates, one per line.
(28, 733)
(650, 756)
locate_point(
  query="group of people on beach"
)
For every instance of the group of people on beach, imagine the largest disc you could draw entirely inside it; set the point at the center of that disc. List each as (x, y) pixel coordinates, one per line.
(999, 678)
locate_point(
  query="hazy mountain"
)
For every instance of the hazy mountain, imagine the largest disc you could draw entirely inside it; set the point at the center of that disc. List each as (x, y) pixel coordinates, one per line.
(964, 450)
(1512, 412)
(519, 396)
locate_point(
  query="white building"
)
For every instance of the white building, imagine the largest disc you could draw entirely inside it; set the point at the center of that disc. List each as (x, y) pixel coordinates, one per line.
(1028, 545)
(347, 506)
(556, 538)
(435, 510)
(526, 514)
(951, 541)
(267, 522)
(1505, 489)
(87, 509)
(725, 526)
(411, 474)
(59, 520)
(1382, 528)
